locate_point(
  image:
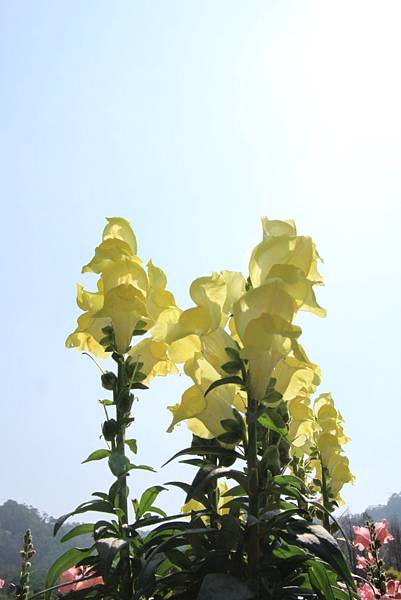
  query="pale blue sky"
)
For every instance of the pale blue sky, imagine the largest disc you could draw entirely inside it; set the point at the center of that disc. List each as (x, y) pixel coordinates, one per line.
(192, 119)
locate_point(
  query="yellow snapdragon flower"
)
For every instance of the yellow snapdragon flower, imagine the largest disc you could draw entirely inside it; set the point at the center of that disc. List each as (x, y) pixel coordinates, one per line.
(127, 292)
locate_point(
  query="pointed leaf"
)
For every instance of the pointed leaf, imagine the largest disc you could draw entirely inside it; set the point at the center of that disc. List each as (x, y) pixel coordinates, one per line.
(132, 445)
(91, 505)
(83, 529)
(225, 381)
(147, 499)
(207, 450)
(97, 455)
(320, 581)
(266, 421)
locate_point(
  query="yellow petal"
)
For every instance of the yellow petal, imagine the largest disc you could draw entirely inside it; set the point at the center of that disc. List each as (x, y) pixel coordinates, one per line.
(125, 272)
(299, 409)
(209, 293)
(269, 305)
(214, 348)
(293, 376)
(199, 429)
(125, 306)
(281, 245)
(192, 404)
(158, 298)
(192, 505)
(88, 334)
(235, 288)
(195, 320)
(275, 228)
(263, 362)
(155, 358)
(89, 301)
(201, 371)
(182, 350)
(110, 251)
(296, 284)
(218, 408)
(121, 229)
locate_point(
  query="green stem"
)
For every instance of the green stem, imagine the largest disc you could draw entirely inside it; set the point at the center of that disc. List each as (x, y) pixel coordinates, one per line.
(253, 478)
(212, 494)
(126, 582)
(120, 445)
(325, 497)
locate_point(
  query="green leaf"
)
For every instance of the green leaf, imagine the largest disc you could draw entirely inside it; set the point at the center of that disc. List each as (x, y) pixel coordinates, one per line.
(229, 437)
(232, 366)
(320, 581)
(65, 561)
(147, 499)
(225, 381)
(205, 450)
(139, 332)
(132, 445)
(97, 455)
(141, 467)
(319, 542)
(137, 385)
(78, 530)
(231, 425)
(207, 474)
(91, 505)
(106, 402)
(266, 421)
(219, 586)
(107, 549)
(119, 464)
(233, 353)
(139, 376)
(176, 557)
(289, 480)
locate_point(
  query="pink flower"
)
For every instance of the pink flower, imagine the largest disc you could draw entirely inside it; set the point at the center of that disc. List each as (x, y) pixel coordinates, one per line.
(69, 576)
(365, 592)
(81, 585)
(74, 576)
(2, 582)
(362, 538)
(362, 562)
(382, 533)
(394, 588)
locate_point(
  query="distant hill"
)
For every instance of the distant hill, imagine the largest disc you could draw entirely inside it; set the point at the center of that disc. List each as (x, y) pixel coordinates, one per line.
(390, 511)
(15, 519)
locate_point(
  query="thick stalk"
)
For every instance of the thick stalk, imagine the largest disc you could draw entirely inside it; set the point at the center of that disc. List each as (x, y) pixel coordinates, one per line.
(126, 584)
(325, 497)
(120, 445)
(253, 478)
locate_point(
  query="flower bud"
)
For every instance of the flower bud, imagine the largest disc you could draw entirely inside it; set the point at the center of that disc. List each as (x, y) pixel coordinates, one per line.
(110, 429)
(109, 380)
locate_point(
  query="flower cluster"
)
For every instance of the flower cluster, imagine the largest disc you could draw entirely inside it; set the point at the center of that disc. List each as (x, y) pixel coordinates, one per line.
(129, 301)
(251, 319)
(369, 540)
